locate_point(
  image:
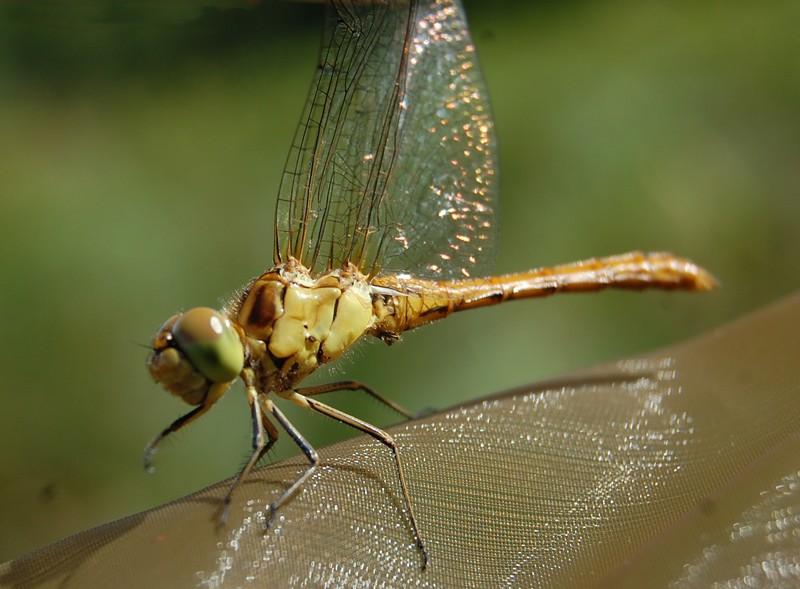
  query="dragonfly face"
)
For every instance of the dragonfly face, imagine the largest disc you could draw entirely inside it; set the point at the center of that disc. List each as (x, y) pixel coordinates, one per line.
(194, 352)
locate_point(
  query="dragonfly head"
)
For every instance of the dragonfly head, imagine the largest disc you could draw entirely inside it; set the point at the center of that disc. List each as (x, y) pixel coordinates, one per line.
(195, 351)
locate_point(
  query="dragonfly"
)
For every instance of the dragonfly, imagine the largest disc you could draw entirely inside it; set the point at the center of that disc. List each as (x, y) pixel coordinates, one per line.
(385, 221)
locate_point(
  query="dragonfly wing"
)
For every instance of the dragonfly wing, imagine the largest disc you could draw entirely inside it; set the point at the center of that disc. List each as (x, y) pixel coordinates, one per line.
(393, 163)
(444, 185)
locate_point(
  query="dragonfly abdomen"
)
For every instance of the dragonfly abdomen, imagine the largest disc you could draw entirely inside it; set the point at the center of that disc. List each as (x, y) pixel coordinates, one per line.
(422, 301)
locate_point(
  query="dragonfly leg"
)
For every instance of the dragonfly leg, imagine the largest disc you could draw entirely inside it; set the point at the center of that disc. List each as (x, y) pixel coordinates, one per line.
(383, 438)
(310, 453)
(260, 447)
(180, 423)
(353, 385)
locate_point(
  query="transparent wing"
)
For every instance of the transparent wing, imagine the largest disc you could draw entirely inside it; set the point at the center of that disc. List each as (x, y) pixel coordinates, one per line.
(393, 164)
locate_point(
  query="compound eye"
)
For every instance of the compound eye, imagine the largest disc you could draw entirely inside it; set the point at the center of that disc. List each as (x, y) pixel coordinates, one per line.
(210, 342)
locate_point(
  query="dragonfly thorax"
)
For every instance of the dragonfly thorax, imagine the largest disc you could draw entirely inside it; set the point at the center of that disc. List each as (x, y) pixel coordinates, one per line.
(293, 323)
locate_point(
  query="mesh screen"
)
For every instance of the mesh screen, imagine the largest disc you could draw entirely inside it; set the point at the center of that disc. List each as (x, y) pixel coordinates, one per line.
(678, 468)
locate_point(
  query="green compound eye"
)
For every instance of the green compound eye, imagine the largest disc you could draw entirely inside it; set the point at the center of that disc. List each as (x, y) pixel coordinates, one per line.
(210, 343)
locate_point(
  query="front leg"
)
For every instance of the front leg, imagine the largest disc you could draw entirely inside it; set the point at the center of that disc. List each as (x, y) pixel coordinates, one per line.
(260, 447)
(310, 453)
(213, 395)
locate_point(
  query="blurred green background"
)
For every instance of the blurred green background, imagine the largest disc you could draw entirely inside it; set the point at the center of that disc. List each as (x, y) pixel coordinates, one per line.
(141, 146)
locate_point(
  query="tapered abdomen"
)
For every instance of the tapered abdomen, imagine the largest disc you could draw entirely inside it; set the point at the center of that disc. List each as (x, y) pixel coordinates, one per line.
(426, 301)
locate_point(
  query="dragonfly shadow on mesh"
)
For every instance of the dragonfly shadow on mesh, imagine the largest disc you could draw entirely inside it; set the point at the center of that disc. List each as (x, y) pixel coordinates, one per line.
(267, 483)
